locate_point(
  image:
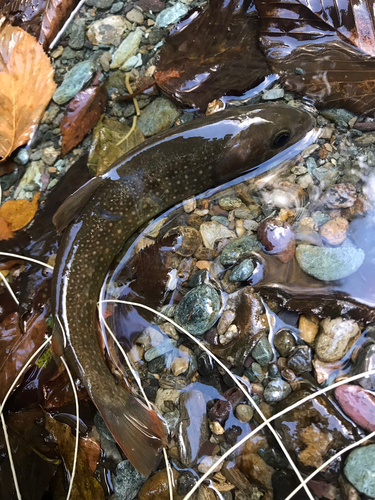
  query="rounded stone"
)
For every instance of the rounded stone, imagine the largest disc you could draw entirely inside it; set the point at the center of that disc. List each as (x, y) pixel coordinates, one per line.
(340, 196)
(329, 264)
(199, 310)
(277, 238)
(228, 203)
(135, 16)
(244, 413)
(128, 481)
(284, 342)
(309, 327)
(243, 271)
(335, 338)
(239, 249)
(187, 241)
(359, 469)
(277, 390)
(300, 360)
(334, 231)
(358, 404)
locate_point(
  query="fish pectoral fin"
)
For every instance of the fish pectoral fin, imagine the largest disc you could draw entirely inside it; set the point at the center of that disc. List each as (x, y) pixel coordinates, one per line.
(74, 204)
(139, 431)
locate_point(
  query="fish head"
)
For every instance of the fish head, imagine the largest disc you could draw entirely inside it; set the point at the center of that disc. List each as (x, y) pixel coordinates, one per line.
(261, 133)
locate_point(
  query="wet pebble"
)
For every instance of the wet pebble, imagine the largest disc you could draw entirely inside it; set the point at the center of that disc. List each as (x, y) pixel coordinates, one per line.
(334, 231)
(128, 48)
(244, 413)
(243, 271)
(171, 15)
(73, 82)
(128, 481)
(284, 342)
(207, 462)
(167, 399)
(188, 240)
(277, 238)
(223, 407)
(199, 310)
(248, 213)
(335, 338)
(179, 366)
(158, 116)
(365, 362)
(276, 390)
(225, 321)
(185, 482)
(328, 264)
(300, 360)
(228, 203)
(77, 34)
(360, 469)
(273, 94)
(239, 249)
(340, 196)
(309, 327)
(213, 231)
(262, 352)
(156, 487)
(358, 404)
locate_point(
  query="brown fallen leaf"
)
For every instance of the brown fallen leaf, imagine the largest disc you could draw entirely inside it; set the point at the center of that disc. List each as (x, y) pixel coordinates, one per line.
(18, 213)
(81, 115)
(105, 148)
(85, 486)
(55, 14)
(215, 54)
(26, 87)
(5, 230)
(322, 51)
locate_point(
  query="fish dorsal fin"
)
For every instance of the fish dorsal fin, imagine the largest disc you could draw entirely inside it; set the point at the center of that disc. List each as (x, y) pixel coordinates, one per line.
(74, 204)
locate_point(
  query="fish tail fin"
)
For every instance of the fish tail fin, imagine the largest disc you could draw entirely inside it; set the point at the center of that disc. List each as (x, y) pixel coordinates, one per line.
(137, 429)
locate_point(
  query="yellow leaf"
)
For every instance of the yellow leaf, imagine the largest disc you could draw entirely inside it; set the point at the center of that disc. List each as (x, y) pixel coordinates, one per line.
(26, 87)
(18, 213)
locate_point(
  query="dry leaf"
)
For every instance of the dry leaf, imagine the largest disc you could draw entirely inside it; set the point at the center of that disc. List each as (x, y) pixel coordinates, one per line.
(81, 115)
(26, 87)
(18, 213)
(324, 50)
(85, 486)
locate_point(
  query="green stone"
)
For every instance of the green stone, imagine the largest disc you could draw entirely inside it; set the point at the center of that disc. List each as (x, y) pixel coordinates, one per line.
(199, 310)
(328, 264)
(228, 203)
(73, 82)
(277, 390)
(243, 271)
(262, 352)
(360, 469)
(239, 249)
(158, 116)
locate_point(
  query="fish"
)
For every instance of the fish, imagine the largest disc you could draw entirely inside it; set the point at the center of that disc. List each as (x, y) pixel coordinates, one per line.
(100, 216)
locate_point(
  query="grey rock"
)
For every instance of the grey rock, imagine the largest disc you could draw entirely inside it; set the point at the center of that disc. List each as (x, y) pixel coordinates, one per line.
(248, 213)
(277, 390)
(199, 310)
(273, 94)
(100, 4)
(320, 218)
(300, 360)
(263, 352)
(244, 413)
(365, 362)
(77, 34)
(107, 31)
(73, 82)
(105, 61)
(255, 373)
(127, 49)
(338, 115)
(102, 428)
(162, 348)
(243, 271)
(171, 15)
(116, 7)
(22, 156)
(193, 421)
(239, 249)
(335, 338)
(359, 469)
(213, 231)
(172, 418)
(128, 481)
(70, 54)
(221, 220)
(135, 16)
(50, 155)
(132, 62)
(330, 264)
(158, 116)
(229, 203)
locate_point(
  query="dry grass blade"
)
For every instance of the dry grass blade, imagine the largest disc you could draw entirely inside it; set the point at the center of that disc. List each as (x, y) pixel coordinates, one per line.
(26, 87)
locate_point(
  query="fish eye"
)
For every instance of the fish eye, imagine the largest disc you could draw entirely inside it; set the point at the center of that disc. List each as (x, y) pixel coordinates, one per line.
(280, 139)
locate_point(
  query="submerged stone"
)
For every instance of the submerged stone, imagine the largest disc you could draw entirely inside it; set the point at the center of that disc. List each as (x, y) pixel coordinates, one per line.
(128, 481)
(263, 352)
(198, 310)
(127, 48)
(358, 404)
(243, 271)
(328, 264)
(360, 469)
(171, 15)
(239, 249)
(277, 390)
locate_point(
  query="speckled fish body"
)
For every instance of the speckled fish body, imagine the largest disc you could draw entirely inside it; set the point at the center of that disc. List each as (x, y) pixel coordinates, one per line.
(157, 174)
